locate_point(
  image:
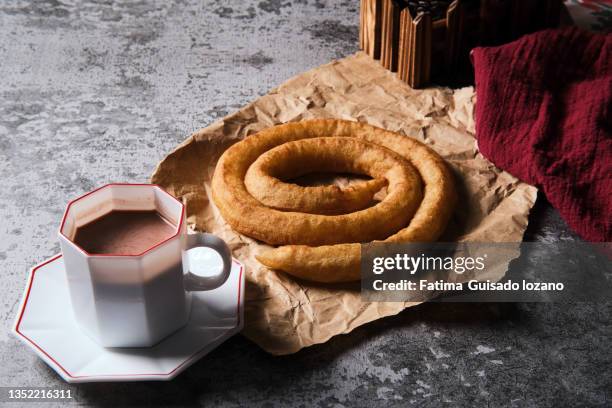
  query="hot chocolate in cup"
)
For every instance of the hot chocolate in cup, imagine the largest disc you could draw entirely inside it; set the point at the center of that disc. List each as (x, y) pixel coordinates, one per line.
(124, 248)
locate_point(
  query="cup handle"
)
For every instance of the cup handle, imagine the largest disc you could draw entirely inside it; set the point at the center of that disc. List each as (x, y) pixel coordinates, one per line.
(194, 282)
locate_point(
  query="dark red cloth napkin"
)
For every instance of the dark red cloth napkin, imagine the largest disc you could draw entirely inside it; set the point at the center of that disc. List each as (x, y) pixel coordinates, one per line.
(543, 107)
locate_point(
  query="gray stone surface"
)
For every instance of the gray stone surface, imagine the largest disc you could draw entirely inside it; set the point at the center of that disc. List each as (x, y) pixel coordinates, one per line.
(100, 91)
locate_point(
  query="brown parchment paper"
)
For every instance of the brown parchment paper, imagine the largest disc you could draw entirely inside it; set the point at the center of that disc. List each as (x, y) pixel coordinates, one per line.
(282, 314)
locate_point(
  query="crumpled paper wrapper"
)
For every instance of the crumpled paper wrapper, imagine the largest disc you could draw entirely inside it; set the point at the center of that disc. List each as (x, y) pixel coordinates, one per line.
(284, 315)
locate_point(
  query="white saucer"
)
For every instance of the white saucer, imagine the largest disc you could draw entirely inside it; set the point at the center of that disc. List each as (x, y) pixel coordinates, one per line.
(45, 323)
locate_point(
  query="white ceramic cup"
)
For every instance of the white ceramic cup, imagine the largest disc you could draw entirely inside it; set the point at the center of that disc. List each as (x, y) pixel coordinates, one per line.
(134, 300)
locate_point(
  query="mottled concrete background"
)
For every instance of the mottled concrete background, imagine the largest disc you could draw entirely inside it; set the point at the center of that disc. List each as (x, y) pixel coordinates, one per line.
(100, 91)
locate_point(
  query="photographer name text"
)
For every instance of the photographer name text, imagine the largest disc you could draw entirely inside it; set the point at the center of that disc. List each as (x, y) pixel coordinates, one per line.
(440, 285)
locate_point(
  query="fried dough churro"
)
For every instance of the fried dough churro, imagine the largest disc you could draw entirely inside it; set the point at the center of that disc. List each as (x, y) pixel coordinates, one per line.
(263, 178)
(249, 190)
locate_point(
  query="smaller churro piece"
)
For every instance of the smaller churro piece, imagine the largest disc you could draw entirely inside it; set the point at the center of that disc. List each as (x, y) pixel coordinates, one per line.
(263, 181)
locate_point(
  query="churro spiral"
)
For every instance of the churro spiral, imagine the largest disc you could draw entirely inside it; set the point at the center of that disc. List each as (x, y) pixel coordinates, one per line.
(320, 228)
